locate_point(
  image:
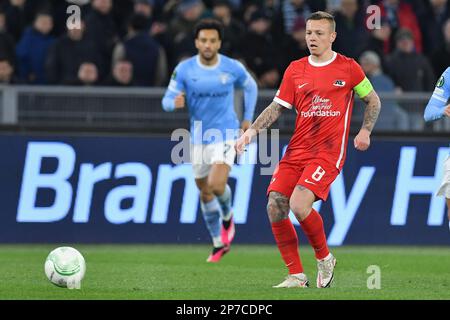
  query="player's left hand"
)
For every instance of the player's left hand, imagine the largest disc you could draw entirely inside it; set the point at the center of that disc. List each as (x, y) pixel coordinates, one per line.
(245, 125)
(362, 140)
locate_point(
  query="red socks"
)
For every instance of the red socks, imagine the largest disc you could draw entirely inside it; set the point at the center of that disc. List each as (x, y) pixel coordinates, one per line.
(287, 242)
(313, 228)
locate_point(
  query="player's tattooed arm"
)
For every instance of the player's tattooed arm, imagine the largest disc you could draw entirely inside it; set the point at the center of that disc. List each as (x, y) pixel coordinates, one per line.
(264, 121)
(373, 107)
(267, 117)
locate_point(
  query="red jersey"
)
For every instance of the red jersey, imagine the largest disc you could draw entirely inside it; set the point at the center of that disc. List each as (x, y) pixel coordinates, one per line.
(322, 95)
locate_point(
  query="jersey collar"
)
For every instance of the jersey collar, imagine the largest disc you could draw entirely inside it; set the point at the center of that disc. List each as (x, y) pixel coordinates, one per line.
(322, 64)
(208, 67)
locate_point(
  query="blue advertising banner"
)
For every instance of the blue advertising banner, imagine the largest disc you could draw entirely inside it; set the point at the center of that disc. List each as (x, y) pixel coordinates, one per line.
(127, 190)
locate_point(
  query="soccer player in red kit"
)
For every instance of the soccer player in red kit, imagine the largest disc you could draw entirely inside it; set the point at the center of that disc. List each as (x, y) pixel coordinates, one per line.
(321, 89)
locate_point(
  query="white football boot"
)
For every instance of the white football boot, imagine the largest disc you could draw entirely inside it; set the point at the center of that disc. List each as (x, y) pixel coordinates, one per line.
(325, 274)
(294, 281)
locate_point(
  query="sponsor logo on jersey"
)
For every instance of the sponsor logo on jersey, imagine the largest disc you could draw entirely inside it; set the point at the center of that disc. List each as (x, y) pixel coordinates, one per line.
(320, 107)
(196, 94)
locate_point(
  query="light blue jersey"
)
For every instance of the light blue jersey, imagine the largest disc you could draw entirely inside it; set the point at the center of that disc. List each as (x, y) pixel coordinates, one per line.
(209, 93)
(440, 98)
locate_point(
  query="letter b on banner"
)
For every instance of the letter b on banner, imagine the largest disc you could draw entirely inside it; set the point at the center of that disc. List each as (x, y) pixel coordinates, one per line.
(33, 180)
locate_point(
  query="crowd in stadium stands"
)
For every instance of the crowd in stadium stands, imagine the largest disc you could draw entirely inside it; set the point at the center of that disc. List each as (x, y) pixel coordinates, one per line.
(138, 42)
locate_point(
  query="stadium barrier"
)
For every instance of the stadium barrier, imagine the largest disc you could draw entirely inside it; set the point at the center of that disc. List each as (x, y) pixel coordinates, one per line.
(139, 109)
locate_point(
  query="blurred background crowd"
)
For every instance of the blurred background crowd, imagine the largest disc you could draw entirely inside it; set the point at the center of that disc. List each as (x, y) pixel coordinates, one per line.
(139, 42)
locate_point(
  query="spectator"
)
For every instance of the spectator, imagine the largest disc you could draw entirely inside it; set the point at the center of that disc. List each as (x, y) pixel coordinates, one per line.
(68, 53)
(155, 22)
(379, 37)
(400, 15)
(248, 10)
(33, 48)
(121, 76)
(393, 117)
(441, 57)
(258, 50)
(7, 46)
(87, 74)
(6, 71)
(233, 29)
(292, 9)
(145, 8)
(121, 12)
(270, 77)
(147, 57)
(189, 12)
(333, 6)
(432, 25)
(410, 70)
(294, 46)
(18, 16)
(353, 36)
(101, 28)
(273, 10)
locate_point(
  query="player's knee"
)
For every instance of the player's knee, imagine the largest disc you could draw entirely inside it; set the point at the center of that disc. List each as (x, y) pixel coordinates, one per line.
(276, 213)
(300, 210)
(217, 188)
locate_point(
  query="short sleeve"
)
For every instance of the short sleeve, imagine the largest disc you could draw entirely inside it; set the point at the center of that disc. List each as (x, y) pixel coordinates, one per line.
(441, 93)
(360, 84)
(286, 92)
(442, 89)
(357, 73)
(242, 76)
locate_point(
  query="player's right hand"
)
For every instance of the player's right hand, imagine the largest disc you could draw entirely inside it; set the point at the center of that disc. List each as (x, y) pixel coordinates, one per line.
(244, 140)
(447, 111)
(180, 101)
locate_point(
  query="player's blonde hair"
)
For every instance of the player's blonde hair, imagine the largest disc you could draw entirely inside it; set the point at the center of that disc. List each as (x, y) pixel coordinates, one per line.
(322, 15)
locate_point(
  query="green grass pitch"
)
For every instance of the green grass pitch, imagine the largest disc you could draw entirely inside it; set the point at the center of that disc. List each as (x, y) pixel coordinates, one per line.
(247, 272)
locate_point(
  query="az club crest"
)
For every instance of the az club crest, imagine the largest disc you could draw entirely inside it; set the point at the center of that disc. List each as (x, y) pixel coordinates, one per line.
(339, 83)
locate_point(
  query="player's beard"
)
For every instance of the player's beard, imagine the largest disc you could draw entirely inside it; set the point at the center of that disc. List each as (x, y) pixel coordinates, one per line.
(210, 56)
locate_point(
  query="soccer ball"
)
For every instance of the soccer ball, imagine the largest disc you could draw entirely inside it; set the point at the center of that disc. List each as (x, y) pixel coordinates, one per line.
(65, 267)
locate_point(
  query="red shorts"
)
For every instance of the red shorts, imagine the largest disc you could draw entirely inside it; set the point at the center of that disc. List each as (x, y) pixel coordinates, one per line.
(316, 175)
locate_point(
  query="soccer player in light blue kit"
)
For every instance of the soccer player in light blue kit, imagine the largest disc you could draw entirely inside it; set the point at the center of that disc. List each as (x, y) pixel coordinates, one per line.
(439, 107)
(205, 84)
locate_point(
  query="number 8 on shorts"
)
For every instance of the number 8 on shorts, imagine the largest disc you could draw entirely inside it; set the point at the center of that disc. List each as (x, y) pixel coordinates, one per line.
(318, 174)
